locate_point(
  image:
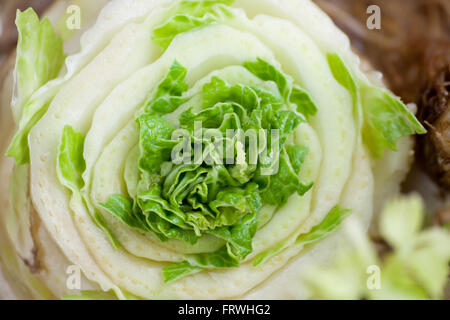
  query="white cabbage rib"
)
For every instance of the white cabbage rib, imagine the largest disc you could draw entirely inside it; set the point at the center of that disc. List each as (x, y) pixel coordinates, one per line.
(103, 91)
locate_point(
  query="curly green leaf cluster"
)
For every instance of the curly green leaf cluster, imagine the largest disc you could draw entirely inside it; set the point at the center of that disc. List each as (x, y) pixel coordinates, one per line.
(218, 190)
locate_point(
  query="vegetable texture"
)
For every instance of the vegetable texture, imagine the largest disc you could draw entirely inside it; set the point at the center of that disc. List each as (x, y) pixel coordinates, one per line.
(199, 149)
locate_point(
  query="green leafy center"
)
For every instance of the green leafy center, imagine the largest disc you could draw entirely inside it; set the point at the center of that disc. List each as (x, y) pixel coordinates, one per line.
(230, 153)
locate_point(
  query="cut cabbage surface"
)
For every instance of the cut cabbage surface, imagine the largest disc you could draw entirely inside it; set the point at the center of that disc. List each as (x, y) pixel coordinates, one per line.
(95, 186)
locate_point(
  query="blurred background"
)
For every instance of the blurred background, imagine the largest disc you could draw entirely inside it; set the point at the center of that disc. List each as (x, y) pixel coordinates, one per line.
(411, 49)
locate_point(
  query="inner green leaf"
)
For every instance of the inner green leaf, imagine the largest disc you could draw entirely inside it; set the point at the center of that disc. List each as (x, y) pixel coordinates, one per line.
(229, 155)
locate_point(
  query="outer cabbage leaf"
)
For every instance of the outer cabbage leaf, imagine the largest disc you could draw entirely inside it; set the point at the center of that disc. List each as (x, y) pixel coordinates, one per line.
(39, 59)
(70, 168)
(188, 15)
(328, 225)
(386, 118)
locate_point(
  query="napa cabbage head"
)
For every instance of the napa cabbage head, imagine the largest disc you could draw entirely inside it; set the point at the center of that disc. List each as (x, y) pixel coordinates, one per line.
(224, 158)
